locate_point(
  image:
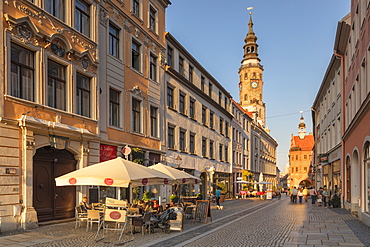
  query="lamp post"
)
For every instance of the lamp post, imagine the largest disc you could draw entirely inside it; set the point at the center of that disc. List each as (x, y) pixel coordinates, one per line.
(178, 161)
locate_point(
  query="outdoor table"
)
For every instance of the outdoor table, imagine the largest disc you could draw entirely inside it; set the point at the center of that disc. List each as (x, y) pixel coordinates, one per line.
(132, 217)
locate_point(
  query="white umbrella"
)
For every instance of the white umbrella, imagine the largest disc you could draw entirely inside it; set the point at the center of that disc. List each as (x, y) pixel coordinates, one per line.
(263, 182)
(180, 177)
(243, 182)
(116, 173)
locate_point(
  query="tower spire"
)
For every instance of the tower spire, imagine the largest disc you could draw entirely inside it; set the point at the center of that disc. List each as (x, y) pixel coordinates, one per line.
(301, 127)
(250, 47)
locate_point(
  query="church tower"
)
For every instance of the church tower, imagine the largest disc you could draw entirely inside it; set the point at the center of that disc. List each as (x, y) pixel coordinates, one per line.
(250, 76)
(302, 128)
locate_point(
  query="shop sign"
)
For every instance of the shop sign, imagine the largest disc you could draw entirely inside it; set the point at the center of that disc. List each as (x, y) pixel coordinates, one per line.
(324, 158)
(107, 152)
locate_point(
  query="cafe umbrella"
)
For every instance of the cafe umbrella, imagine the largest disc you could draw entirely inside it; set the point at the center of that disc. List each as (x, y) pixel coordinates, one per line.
(117, 172)
(179, 176)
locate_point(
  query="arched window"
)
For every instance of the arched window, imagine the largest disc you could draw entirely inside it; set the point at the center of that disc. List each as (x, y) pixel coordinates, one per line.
(245, 96)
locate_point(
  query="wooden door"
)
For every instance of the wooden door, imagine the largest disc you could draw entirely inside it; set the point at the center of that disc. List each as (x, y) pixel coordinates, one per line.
(51, 202)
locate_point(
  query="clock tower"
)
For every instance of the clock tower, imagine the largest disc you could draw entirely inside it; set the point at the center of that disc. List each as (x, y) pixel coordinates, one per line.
(250, 77)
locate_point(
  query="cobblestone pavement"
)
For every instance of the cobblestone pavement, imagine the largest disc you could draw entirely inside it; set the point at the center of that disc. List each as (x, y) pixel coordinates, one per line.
(249, 222)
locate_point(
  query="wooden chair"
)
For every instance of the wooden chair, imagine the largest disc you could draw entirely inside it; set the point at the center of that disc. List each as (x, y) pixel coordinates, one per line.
(93, 216)
(113, 217)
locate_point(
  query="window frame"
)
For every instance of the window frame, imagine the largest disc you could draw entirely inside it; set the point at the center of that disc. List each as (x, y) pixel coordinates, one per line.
(113, 40)
(60, 9)
(81, 20)
(192, 137)
(114, 107)
(61, 101)
(171, 136)
(136, 8)
(153, 18)
(153, 65)
(169, 56)
(181, 65)
(136, 112)
(154, 123)
(80, 106)
(136, 55)
(14, 90)
(182, 140)
(182, 103)
(170, 97)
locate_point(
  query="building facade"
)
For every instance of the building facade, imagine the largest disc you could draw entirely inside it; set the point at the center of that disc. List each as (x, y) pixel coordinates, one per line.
(355, 109)
(198, 121)
(300, 156)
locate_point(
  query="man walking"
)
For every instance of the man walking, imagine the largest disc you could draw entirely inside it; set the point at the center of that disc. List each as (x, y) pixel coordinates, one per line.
(313, 194)
(294, 194)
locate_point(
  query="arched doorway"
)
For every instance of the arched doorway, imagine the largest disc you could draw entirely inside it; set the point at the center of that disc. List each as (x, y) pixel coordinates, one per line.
(49, 201)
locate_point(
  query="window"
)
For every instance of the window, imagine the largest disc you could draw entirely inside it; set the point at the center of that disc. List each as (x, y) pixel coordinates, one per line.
(210, 89)
(296, 169)
(219, 98)
(152, 19)
(211, 119)
(56, 8)
(202, 82)
(169, 56)
(82, 17)
(171, 137)
(56, 96)
(220, 150)
(227, 130)
(204, 115)
(182, 140)
(114, 107)
(170, 99)
(135, 55)
(221, 125)
(154, 121)
(204, 147)
(182, 103)
(191, 72)
(181, 65)
(153, 68)
(136, 7)
(226, 153)
(22, 73)
(211, 144)
(192, 108)
(136, 115)
(113, 41)
(192, 143)
(83, 95)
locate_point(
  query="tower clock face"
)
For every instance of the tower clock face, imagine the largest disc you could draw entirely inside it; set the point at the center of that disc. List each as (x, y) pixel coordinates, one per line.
(254, 84)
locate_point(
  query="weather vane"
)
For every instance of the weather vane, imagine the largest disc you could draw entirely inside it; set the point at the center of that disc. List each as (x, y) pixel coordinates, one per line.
(250, 8)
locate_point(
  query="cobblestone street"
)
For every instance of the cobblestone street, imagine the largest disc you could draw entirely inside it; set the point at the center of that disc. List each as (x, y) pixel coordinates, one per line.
(250, 222)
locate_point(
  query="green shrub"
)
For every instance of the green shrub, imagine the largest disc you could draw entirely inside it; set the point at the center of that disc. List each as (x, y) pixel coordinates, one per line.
(147, 196)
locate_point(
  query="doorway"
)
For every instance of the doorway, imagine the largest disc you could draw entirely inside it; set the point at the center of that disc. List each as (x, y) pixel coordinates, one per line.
(52, 202)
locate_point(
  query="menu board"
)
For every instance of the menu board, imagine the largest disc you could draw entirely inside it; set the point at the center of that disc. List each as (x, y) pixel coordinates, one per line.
(203, 211)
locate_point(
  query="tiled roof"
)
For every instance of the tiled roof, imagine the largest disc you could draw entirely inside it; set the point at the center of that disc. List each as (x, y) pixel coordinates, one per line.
(306, 144)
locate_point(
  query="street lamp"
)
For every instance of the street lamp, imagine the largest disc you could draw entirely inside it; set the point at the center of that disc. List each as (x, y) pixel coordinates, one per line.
(178, 161)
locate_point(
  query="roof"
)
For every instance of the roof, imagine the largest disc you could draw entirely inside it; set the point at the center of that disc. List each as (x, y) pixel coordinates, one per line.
(305, 144)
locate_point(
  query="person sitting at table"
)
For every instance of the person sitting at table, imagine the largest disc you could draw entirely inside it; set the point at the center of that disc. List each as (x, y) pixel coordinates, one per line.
(156, 207)
(84, 205)
(148, 206)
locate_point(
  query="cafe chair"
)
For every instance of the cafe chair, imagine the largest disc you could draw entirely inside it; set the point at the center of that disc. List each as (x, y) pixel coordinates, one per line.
(80, 216)
(189, 212)
(144, 222)
(93, 216)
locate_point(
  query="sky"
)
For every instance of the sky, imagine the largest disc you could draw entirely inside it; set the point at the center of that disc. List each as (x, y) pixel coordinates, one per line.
(295, 42)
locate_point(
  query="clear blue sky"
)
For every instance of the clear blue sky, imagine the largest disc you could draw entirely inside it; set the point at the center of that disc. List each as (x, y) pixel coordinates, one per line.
(295, 38)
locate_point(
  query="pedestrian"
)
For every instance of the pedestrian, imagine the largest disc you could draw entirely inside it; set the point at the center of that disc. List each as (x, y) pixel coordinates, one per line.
(218, 195)
(300, 195)
(305, 194)
(294, 194)
(325, 196)
(313, 194)
(319, 197)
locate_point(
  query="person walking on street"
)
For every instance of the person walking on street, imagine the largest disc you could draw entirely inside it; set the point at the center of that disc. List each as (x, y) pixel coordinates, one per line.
(325, 197)
(218, 195)
(300, 195)
(294, 194)
(313, 194)
(305, 194)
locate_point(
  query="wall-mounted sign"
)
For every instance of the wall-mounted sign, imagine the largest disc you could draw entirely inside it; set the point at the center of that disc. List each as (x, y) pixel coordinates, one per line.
(11, 171)
(324, 158)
